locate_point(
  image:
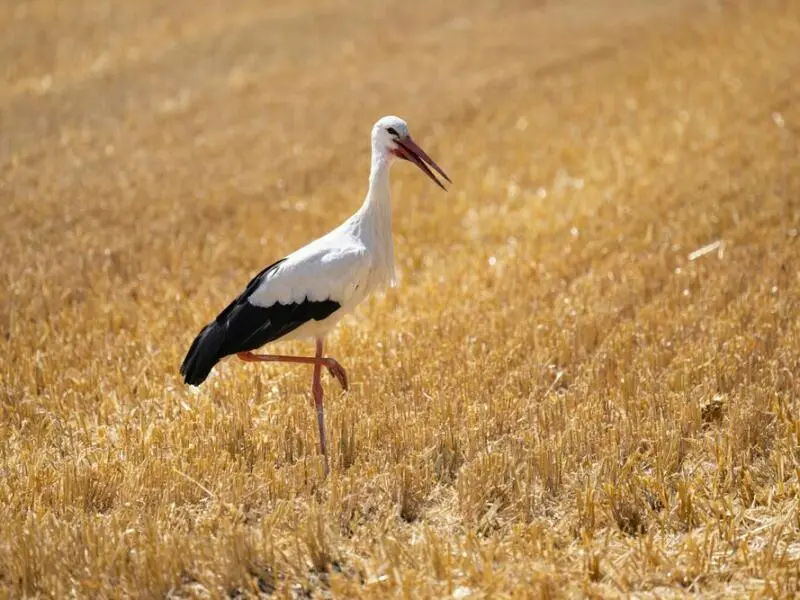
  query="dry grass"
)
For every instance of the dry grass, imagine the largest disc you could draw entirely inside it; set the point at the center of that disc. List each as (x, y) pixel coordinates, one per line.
(555, 401)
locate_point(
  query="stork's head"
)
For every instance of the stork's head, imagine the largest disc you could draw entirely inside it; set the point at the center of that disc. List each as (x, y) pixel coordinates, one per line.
(390, 136)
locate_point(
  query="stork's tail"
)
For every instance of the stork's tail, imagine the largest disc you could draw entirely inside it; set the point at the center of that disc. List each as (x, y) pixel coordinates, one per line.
(203, 354)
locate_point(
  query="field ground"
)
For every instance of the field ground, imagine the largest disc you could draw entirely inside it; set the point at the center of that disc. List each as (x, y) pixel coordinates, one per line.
(586, 383)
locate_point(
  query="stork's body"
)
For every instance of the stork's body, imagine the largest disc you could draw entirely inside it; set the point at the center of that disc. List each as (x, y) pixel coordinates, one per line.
(307, 293)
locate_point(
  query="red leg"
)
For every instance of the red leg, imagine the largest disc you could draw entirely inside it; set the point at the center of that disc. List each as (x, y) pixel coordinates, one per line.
(334, 368)
(316, 392)
(318, 361)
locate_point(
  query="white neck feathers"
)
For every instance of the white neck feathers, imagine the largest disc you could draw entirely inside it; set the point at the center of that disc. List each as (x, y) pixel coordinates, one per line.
(373, 221)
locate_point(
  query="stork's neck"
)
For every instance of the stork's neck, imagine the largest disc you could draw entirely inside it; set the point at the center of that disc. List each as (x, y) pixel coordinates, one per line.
(378, 203)
(375, 215)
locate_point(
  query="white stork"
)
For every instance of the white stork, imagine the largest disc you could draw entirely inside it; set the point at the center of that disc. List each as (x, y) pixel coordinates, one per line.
(306, 294)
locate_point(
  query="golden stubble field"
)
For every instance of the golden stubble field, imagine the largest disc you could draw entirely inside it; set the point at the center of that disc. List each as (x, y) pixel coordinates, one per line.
(563, 397)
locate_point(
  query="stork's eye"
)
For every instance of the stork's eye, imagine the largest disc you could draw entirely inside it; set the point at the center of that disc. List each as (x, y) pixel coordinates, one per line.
(392, 130)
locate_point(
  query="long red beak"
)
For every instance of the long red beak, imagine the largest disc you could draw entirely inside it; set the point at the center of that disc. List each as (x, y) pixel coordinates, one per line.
(409, 151)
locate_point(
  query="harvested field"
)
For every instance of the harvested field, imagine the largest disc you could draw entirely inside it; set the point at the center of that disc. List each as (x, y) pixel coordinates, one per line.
(587, 382)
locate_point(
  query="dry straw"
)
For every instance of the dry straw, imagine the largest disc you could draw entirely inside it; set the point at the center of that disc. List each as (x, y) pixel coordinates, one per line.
(586, 384)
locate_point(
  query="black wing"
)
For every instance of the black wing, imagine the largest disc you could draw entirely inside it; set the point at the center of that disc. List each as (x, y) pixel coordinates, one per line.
(242, 327)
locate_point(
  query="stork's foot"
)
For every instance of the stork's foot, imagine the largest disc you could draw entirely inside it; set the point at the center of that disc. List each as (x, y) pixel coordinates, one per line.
(337, 371)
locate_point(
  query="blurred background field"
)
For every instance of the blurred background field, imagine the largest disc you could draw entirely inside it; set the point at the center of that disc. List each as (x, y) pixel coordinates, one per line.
(586, 384)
